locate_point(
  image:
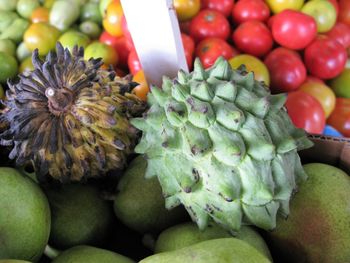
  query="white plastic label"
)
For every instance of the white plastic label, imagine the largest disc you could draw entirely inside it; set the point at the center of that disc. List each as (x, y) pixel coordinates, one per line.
(156, 35)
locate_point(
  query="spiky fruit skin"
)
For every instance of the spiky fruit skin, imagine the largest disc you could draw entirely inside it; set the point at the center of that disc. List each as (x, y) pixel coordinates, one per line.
(69, 117)
(223, 146)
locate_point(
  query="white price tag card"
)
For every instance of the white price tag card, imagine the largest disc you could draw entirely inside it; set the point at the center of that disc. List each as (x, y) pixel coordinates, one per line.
(156, 35)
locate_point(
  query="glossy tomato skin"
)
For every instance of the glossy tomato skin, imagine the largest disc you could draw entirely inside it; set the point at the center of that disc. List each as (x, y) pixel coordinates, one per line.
(287, 70)
(112, 19)
(279, 5)
(222, 6)
(209, 23)
(344, 12)
(293, 29)
(209, 49)
(186, 9)
(247, 10)
(189, 45)
(134, 63)
(325, 58)
(340, 117)
(253, 37)
(341, 33)
(305, 112)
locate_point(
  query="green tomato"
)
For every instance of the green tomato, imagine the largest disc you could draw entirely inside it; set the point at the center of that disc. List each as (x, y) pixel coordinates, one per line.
(341, 84)
(101, 50)
(26, 7)
(8, 5)
(72, 38)
(26, 66)
(91, 12)
(8, 67)
(90, 28)
(22, 52)
(278, 6)
(7, 46)
(323, 12)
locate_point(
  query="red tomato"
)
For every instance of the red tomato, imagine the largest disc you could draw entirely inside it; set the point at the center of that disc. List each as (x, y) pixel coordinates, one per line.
(119, 44)
(253, 37)
(250, 10)
(185, 26)
(222, 6)
(344, 11)
(189, 46)
(340, 117)
(293, 29)
(209, 23)
(305, 112)
(209, 49)
(127, 34)
(325, 58)
(134, 63)
(341, 33)
(286, 69)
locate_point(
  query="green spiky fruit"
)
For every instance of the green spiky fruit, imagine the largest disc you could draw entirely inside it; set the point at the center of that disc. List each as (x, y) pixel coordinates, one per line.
(223, 146)
(69, 117)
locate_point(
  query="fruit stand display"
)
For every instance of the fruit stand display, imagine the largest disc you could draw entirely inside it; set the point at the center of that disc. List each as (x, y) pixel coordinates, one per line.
(241, 155)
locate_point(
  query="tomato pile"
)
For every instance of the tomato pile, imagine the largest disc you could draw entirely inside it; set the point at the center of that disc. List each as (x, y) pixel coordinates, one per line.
(296, 47)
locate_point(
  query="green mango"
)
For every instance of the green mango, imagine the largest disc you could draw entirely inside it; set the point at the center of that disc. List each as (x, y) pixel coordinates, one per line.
(139, 202)
(8, 5)
(187, 234)
(16, 30)
(222, 250)
(79, 216)
(318, 226)
(24, 218)
(6, 19)
(63, 14)
(87, 254)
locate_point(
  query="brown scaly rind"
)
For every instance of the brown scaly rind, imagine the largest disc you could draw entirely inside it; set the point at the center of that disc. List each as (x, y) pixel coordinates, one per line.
(69, 117)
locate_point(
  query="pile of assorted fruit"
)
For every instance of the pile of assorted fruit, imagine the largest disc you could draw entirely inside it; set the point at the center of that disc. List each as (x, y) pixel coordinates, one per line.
(96, 166)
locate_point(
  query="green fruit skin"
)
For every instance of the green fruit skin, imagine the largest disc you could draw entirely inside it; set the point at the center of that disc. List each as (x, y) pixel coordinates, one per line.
(24, 218)
(63, 14)
(7, 46)
(90, 28)
(139, 204)
(88, 254)
(341, 84)
(318, 227)
(6, 19)
(8, 67)
(79, 216)
(26, 7)
(13, 261)
(16, 30)
(90, 11)
(8, 5)
(103, 6)
(187, 234)
(222, 250)
(72, 38)
(22, 52)
(2, 92)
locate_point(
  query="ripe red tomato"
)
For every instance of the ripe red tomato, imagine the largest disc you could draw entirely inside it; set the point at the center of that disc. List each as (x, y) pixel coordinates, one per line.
(209, 23)
(344, 11)
(340, 117)
(305, 112)
(325, 58)
(341, 33)
(189, 46)
(250, 10)
(134, 63)
(287, 70)
(119, 44)
(293, 29)
(253, 37)
(209, 49)
(222, 6)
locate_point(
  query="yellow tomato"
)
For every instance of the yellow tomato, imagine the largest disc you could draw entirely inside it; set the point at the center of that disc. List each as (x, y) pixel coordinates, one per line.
(261, 73)
(142, 89)
(277, 6)
(40, 14)
(41, 36)
(112, 21)
(186, 9)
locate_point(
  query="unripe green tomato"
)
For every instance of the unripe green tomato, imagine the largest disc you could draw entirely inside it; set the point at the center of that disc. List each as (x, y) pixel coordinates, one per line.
(91, 29)
(63, 14)
(101, 50)
(90, 11)
(7, 46)
(8, 67)
(26, 66)
(26, 7)
(341, 84)
(8, 5)
(323, 12)
(72, 38)
(22, 52)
